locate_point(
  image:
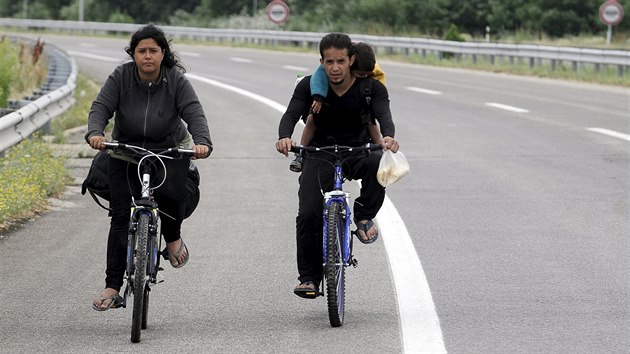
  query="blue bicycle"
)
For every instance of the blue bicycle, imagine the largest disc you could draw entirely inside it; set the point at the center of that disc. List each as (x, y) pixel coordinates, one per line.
(337, 237)
(143, 247)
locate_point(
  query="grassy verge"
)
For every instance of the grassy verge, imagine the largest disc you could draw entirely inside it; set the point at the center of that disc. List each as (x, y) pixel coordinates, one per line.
(77, 115)
(29, 174)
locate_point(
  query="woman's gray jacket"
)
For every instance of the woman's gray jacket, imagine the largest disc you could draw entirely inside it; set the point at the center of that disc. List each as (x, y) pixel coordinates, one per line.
(149, 114)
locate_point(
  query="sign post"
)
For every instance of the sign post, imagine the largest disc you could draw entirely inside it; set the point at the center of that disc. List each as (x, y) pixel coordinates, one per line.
(278, 12)
(610, 13)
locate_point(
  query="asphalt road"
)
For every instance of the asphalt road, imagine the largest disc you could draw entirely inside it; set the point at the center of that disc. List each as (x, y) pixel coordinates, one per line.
(516, 208)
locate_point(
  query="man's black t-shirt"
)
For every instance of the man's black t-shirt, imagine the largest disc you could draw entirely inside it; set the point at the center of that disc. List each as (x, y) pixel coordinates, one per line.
(339, 120)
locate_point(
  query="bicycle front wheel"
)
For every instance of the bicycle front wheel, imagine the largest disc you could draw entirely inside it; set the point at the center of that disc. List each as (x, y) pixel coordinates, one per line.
(140, 258)
(334, 269)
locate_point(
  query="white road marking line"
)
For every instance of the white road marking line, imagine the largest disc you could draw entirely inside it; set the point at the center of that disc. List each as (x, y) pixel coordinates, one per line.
(189, 54)
(241, 60)
(421, 90)
(420, 325)
(94, 56)
(301, 69)
(610, 133)
(264, 100)
(506, 107)
(419, 322)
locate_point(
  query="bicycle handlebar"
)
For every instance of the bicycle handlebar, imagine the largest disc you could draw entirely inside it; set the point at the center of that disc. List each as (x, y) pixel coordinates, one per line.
(336, 148)
(183, 152)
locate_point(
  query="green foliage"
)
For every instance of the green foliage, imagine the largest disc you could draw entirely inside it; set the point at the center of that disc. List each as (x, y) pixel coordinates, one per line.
(538, 18)
(20, 70)
(9, 62)
(452, 34)
(29, 174)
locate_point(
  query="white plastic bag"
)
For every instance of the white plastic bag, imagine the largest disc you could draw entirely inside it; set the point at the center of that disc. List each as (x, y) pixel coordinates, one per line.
(392, 167)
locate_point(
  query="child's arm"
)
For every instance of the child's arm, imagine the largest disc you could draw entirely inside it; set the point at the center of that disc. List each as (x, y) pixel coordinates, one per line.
(319, 88)
(309, 131)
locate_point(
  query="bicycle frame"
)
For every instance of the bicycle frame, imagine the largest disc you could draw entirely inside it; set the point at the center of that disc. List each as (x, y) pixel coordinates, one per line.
(338, 195)
(144, 241)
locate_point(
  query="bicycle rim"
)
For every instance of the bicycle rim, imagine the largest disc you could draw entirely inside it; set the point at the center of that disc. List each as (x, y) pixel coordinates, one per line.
(140, 258)
(335, 270)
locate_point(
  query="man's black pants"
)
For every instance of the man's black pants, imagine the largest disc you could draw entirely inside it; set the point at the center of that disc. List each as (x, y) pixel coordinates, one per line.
(316, 178)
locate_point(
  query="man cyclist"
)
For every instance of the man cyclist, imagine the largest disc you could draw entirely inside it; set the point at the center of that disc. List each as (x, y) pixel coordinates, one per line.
(341, 121)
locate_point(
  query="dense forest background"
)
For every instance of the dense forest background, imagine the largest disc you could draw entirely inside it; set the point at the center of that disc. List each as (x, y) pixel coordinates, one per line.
(428, 18)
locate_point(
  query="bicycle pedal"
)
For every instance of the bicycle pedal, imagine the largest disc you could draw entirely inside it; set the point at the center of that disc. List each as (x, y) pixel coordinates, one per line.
(354, 262)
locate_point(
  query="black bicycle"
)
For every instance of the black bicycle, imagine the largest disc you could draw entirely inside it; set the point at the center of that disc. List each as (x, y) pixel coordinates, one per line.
(337, 237)
(144, 242)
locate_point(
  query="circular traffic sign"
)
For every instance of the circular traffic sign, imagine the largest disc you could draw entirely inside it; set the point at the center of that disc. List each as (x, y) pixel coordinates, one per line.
(278, 12)
(611, 12)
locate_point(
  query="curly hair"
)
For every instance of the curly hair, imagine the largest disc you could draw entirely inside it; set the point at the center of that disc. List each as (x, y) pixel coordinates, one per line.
(150, 31)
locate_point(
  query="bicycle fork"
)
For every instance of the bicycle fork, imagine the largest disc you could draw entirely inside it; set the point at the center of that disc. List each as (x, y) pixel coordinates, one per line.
(344, 242)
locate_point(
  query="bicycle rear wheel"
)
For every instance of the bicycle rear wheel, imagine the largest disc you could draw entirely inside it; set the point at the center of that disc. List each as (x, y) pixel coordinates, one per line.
(335, 269)
(140, 258)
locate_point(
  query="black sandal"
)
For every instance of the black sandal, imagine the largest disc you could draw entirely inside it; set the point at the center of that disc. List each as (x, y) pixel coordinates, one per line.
(365, 228)
(117, 302)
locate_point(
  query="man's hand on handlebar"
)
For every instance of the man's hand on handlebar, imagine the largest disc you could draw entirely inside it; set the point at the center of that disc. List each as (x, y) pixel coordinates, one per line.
(390, 143)
(97, 142)
(284, 145)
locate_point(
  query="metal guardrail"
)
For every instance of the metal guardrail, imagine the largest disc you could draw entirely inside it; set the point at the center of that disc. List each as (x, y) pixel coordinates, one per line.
(54, 97)
(533, 54)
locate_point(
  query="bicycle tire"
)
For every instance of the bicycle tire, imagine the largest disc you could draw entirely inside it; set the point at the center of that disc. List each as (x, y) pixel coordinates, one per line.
(152, 269)
(139, 275)
(335, 269)
(145, 308)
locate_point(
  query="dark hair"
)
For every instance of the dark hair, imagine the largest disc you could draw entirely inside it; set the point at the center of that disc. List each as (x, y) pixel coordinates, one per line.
(335, 40)
(150, 31)
(365, 60)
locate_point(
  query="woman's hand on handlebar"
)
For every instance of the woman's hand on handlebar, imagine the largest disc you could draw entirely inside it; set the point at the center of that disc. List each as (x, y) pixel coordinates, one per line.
(390, 143)
(97, 142)
(284, 145)
(200, 151)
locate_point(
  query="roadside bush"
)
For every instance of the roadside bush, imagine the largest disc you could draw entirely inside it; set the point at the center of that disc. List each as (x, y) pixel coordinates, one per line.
(452, 34)
(29, 173)
(9, 63)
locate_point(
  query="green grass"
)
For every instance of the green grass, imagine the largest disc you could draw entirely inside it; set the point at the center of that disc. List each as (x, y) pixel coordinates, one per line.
(29, 174)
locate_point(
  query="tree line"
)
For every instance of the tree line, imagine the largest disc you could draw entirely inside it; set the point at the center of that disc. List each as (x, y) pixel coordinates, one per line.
(538, 18)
